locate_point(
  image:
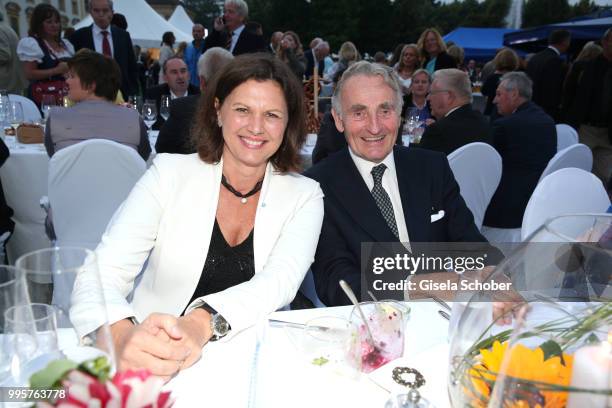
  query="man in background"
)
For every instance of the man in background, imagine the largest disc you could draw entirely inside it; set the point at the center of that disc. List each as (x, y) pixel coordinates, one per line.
(193, 52)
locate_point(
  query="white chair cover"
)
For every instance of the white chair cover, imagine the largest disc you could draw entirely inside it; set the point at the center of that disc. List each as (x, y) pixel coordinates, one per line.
(87, 183)
(577, 155)
(501, 235)
(308, 289)
(477, 168)
(566, 136)
(566, 191)
(30, 111)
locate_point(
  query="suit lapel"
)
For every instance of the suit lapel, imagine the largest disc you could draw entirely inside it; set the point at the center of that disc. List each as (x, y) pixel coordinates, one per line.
(353, 194)
(116, 44)
(89, 39)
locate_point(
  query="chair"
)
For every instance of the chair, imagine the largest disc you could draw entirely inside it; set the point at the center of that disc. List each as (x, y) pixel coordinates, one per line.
(308, 289)
(566, 136)
(87, 183)
(577, 155)
(30, 110)
(566, 191)
(477, 168)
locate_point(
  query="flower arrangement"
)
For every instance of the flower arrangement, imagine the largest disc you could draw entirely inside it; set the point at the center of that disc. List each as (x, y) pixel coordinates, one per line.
(89, 384)
(500, 370)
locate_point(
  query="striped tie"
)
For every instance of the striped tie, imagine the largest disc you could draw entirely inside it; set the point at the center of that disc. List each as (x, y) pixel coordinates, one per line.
(382, 198)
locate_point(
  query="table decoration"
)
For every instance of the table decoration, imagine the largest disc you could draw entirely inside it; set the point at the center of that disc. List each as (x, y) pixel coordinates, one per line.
(557, 352)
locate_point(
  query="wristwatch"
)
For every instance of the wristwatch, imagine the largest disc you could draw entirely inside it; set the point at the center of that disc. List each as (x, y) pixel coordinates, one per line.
(219, 327)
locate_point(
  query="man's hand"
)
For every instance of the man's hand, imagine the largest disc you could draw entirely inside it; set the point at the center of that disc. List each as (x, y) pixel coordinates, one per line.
(148, 345)
(218, 24)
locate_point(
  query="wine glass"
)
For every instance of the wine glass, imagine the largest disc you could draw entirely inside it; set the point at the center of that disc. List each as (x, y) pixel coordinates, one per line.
(67, 278)
(164, 107)
(4, 109)
(30, 339)
(15, 117)
(135, 101)
(46, 103)
(149, 113)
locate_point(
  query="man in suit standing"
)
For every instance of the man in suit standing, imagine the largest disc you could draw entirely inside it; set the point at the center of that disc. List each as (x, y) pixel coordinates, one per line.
(275, 39)
(174, 135)
(378, 192)
(111, 41)
(316, 56)
(177, 85)
(592, 110)
(526, 138)
(229, 30)
(547, 71)
(457, 123)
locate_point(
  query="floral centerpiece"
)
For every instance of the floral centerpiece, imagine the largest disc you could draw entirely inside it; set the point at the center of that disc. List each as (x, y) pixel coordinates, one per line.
(89, 384)
(557, 352)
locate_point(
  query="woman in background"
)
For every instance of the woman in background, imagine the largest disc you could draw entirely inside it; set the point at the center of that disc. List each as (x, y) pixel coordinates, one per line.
(347, 55)
(505, 61)
(291, 52)
(44, 53)
(409, 62)
(93, 82)
(166, 51)
(433, 51)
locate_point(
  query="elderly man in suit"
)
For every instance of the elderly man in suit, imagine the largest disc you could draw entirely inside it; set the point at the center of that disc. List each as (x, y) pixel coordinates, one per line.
(457, 124)
(526, 138)
(111, 41)
(316, 57)
(174, 135)
(176, 76)
(547, 71)
(229, 30)
(376, 191)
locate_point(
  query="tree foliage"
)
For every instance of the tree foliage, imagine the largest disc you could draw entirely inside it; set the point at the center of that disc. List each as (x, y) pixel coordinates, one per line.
(205, 11)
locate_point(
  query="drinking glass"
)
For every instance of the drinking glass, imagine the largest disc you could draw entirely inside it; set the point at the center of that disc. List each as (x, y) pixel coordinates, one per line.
(386, 323)
(46, 103)
(15, 117)
(135, 102)
(164, 107)
(4, 109)
(30, 340)
(149, 113)
(67, 278)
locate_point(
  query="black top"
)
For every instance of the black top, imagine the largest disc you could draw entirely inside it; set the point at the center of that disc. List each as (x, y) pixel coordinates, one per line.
(225, 266)
(489, 88)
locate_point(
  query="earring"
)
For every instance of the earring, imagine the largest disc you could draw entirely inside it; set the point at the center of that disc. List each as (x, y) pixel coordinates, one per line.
(219, 122)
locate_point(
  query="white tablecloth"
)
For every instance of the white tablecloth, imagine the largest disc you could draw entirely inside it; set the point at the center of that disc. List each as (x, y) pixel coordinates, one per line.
(222, 377)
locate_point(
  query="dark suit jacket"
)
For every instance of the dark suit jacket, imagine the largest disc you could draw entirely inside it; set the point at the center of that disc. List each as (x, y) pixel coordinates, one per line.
(310, 65)
(123, 53)
(443, 61)
(426, 185)
(526, 141)
(463, 126)
(156, 93)
(247, 42)
(547, 71)
(174, 135)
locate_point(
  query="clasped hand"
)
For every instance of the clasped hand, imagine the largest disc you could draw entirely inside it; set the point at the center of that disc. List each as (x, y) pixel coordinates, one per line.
(163, 344)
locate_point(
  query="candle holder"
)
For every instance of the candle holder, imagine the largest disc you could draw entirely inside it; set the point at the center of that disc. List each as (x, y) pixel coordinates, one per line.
(557, 350)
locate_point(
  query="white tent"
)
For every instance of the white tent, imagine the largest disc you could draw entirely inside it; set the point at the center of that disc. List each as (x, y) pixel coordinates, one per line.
(145, 26)
(180, 19)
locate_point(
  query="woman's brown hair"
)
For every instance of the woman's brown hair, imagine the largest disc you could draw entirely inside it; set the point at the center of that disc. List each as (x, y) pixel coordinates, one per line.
(97, 70)
(39, 15)
(207, 134)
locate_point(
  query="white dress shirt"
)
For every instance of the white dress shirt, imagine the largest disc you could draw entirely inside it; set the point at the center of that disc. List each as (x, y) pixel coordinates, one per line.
(173, 96)
(389, 183)
(98, 37)
(235, 34)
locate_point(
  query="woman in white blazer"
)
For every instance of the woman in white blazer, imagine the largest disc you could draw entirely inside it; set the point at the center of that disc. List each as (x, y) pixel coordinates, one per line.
(229, 232)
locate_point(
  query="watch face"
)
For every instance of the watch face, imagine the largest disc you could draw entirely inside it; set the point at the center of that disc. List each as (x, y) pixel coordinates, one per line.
(221, 327)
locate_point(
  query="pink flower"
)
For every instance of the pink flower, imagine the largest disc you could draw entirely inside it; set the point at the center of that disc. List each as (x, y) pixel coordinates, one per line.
(129, 389)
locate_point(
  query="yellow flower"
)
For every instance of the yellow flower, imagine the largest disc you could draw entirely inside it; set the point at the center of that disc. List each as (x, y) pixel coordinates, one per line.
(525, 364)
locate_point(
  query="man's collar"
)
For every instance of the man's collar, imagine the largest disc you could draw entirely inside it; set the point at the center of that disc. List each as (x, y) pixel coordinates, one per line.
(453, 109)
(173, 96)
(238, 30)
(98, 30)
(555, 49)
(365, 166)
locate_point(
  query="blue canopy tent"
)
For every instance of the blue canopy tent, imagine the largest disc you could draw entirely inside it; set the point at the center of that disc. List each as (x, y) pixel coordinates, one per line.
(535, 39)
(480, 44)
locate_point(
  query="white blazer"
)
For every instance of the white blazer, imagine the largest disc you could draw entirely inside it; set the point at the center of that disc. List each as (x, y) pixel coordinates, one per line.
(170, 215)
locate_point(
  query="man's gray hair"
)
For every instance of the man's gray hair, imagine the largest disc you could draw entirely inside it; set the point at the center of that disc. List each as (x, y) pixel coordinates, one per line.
(370, 69)
(456, 81)
(212, 61)
(519, 81)
(241, 7)
(110, 4)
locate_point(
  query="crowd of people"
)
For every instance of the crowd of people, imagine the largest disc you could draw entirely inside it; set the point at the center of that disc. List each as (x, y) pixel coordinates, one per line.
(229, 223)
